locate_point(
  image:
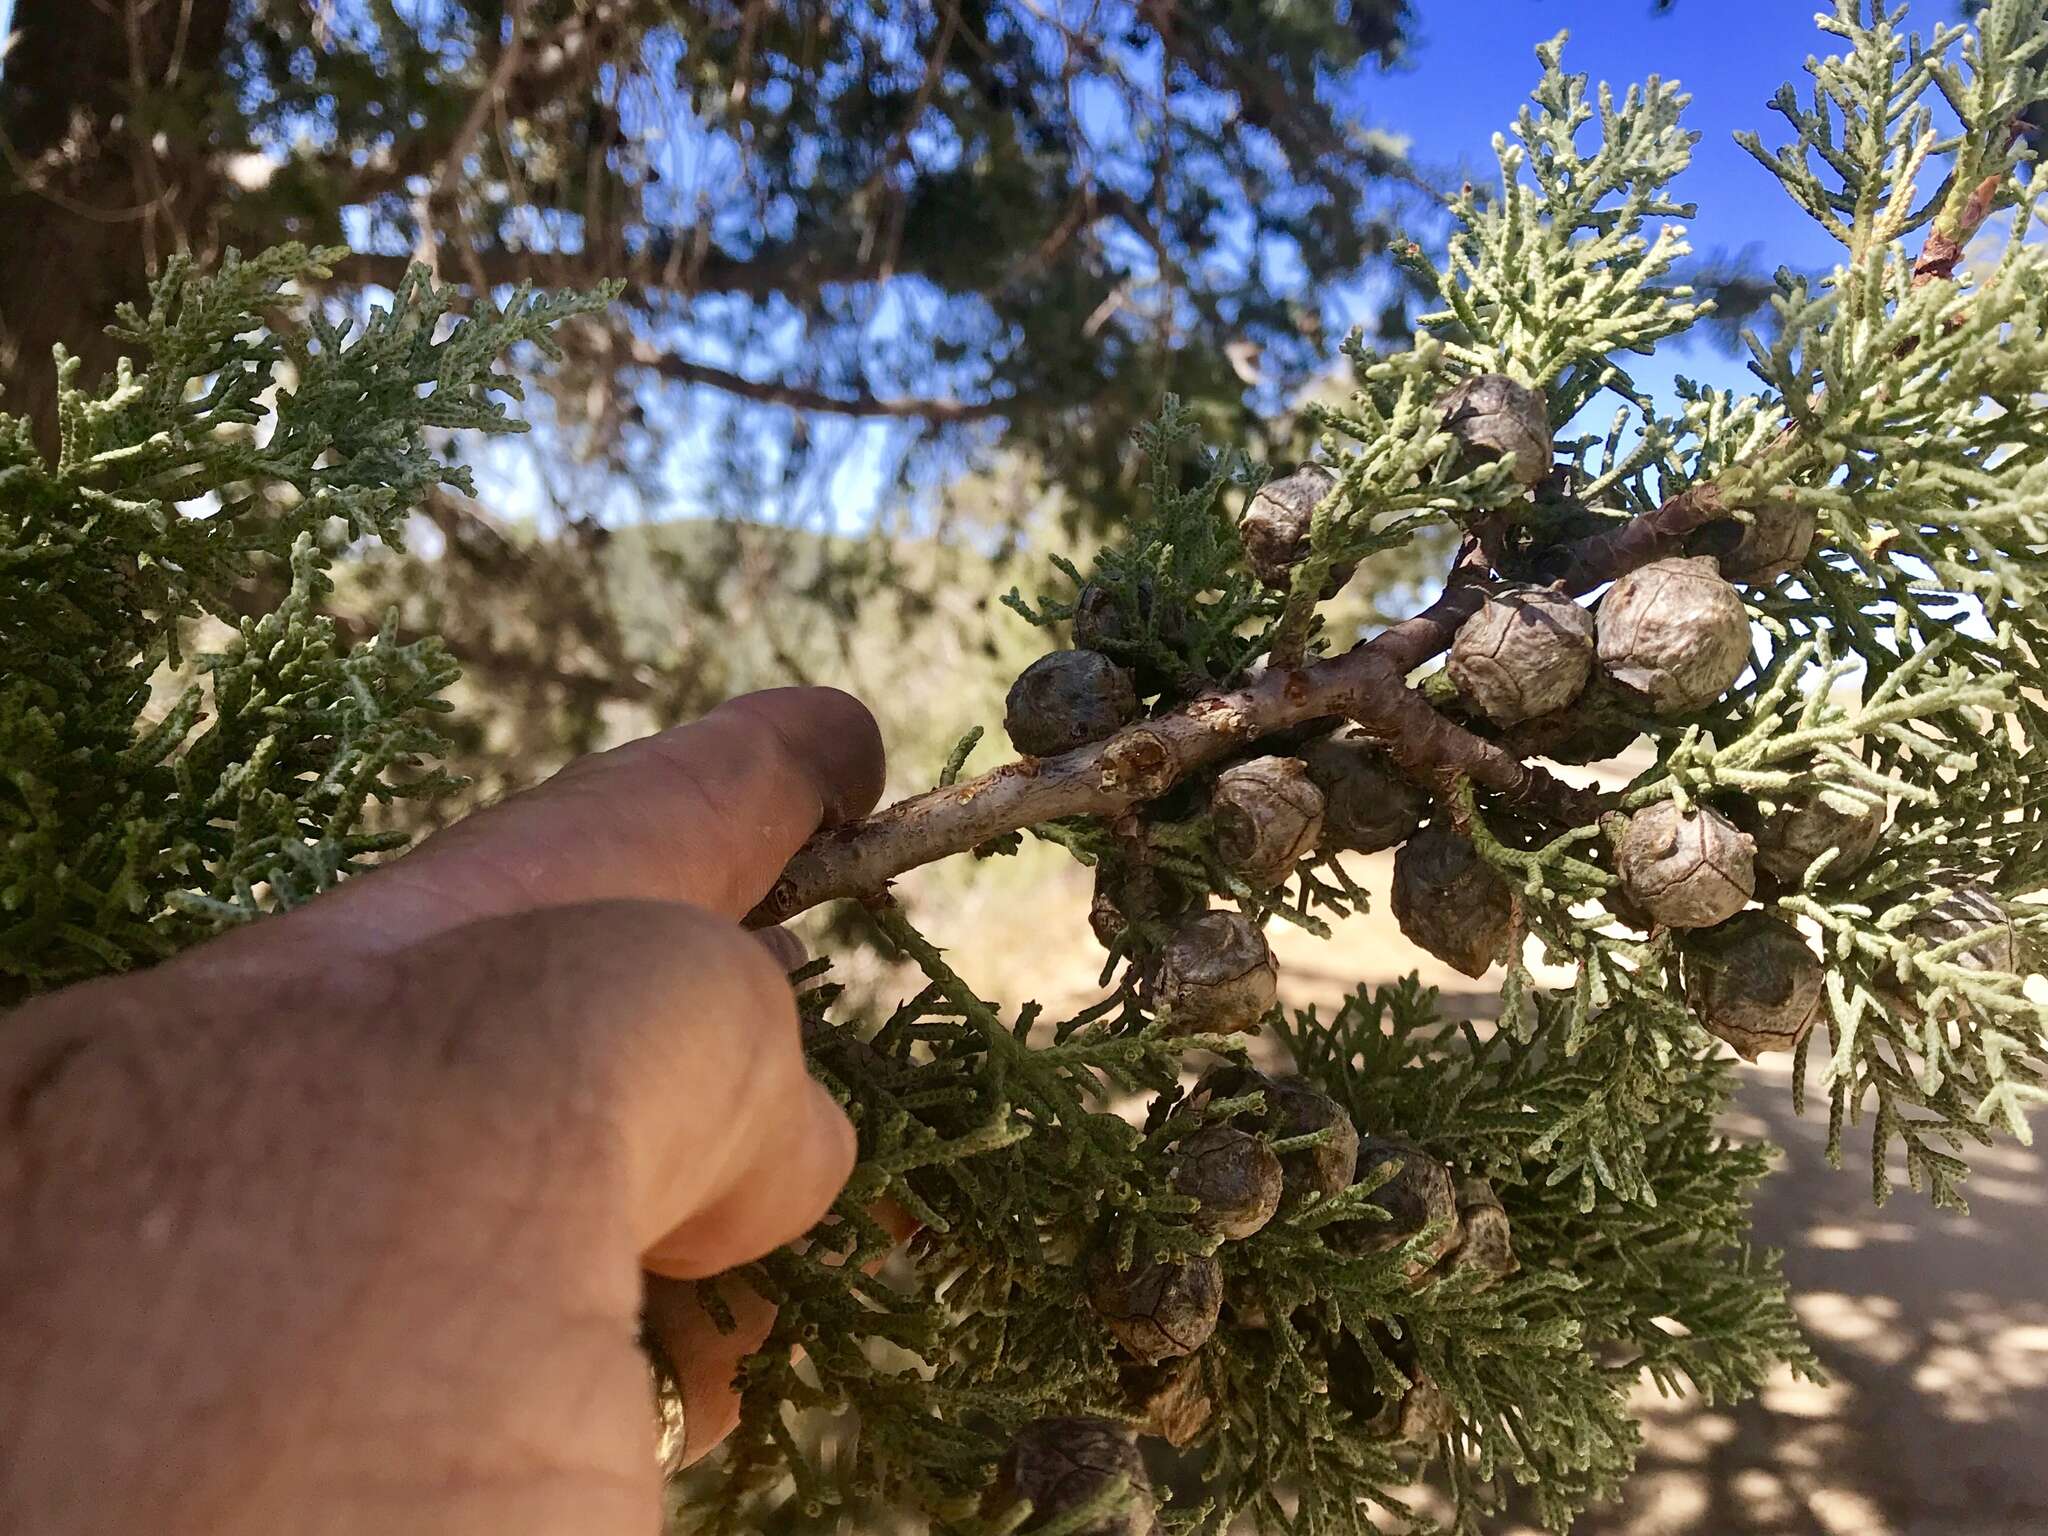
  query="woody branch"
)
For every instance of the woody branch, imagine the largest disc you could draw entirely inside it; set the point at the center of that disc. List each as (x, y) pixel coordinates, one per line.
(1367, 684)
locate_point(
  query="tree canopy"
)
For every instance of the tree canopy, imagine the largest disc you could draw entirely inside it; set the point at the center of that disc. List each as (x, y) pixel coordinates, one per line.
(858, 243)
(933, 216)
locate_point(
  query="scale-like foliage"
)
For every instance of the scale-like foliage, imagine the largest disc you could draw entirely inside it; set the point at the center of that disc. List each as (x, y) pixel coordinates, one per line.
(1894, 669)
(1893, 472)
(154, 793)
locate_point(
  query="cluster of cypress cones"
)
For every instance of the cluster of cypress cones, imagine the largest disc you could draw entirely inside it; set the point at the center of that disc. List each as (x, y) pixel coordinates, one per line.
(1668, 639)
(1161, 1312)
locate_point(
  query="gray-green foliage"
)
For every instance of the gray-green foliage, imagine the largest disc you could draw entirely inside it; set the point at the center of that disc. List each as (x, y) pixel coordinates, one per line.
(1899, 663)
(160, 776)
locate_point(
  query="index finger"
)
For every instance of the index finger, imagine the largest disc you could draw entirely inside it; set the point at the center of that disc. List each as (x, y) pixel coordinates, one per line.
(706, 813)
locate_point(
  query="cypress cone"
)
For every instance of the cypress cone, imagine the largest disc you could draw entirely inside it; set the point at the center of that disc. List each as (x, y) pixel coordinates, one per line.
(1235, 1176)
(1216, 975)
(1820, 821)
(1066, 699)
(1970, 909)
(1367, 804)
(1160, 1310)
(1419, 1194)
(1102, 624)
(1755, 983)
(1675, 633)
(1063, 1464)
(1268, 817)
(1485, 1244)
(1525, 653)
(1777, 539)
(1685, 869)
(1275, 527)
(1168, 1399)
(1592, 728)
(1492, 416)
(1294, 1107)
(1416, 1414)
(1451, 902)
(1421, 1416)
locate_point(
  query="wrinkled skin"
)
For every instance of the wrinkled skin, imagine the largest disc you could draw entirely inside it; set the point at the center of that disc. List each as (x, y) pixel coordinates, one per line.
(337, 1224)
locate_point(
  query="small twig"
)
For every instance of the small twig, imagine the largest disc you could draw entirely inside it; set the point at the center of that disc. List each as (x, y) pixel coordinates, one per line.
(1367, 684)
(1141, 762)
(1636, 543)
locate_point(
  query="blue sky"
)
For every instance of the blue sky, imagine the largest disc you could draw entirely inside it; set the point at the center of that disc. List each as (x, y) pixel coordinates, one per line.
(1475, 63)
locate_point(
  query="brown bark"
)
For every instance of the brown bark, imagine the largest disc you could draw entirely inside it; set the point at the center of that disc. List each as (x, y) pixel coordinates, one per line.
(84, 194)
(1945, 246)
(1367, 684)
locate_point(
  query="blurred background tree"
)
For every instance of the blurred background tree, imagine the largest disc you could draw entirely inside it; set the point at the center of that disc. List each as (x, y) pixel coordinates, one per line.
(860, 241)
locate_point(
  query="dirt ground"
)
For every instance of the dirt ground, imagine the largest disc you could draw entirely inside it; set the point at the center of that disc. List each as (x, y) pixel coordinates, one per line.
(1933, 1327)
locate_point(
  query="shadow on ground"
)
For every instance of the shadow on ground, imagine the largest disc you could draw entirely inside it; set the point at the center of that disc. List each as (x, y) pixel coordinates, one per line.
(1933, 1328)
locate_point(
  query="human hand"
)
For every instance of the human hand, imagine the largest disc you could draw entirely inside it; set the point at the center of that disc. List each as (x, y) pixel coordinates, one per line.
(337, 1223)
